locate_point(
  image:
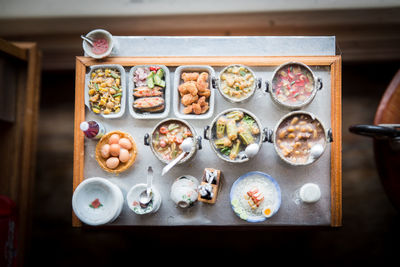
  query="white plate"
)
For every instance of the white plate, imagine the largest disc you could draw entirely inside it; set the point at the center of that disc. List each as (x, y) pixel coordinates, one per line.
(167, 97)
(123, 88)
(178, 106)
(269, 188)
(109, 196)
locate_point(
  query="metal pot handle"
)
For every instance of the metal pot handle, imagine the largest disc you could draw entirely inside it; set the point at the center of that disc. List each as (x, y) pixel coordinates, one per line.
(374, 131)
(206, 128)
(214, 82)
(319, 83)
(199, 144)
(259, 83)
(146, 139)
(267, 86)
(267, 135)
(329, 136)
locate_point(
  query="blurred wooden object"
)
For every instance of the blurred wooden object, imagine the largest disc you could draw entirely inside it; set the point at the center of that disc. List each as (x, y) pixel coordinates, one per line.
(387, 156)
(361, 34)
(20, 72)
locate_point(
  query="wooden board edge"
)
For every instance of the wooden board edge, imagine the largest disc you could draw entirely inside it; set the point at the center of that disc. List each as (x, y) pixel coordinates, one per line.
(336, 106)
(78, 135)
(336, 148)
(210, 60)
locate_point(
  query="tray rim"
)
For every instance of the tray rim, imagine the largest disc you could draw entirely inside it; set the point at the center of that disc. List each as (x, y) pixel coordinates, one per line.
(334, 62)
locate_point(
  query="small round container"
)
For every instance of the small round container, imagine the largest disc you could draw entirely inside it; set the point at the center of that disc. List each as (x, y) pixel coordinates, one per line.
(210, 133)
(97, 201)
(184, 191)
(123, 89)
(94, 35)
(148, 140)
(310, 193)
(132, 199)
(325, 136)
(256, 83)
(300, 74)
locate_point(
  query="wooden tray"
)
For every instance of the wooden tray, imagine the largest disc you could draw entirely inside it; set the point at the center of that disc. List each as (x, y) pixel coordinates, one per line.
(334, 62)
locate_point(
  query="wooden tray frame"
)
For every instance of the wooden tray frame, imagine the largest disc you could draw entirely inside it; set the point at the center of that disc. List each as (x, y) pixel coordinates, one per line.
(335, 63)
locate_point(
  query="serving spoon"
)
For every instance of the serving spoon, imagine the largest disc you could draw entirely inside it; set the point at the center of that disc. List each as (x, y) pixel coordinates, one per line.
(147, 195)
(87, 39)
(186, 147)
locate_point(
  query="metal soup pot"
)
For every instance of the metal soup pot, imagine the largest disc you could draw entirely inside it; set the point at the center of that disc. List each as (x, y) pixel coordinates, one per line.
(272, 137)
(148, 140)
(317, 85)
(210, 134)
(256, 85)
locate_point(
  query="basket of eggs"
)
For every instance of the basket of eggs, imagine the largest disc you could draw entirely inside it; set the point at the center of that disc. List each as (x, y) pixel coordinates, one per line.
(116, 151)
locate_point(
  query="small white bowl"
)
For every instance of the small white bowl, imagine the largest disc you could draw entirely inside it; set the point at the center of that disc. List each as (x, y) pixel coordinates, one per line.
(132, 199)
(96, 188)
(95, 34)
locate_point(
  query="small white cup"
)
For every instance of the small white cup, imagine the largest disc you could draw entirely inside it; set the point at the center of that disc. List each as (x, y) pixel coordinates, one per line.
(98, 33)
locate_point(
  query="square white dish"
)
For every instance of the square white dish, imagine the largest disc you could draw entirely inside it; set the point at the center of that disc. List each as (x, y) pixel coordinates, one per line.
(149, 115)
(178, 106)
(123, 88)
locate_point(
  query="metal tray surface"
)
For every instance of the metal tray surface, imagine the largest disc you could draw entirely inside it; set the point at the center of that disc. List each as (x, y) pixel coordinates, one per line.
(289, 178)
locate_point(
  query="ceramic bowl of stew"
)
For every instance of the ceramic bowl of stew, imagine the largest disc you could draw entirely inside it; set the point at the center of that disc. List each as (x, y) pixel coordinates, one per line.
(300, 138)
(166, 137)
(293, 85)
(232, 131)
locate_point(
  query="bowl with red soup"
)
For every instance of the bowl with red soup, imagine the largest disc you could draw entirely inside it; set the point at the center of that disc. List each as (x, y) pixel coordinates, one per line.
(300, 138)
(101, 44)
(293, 85)
(166, 138)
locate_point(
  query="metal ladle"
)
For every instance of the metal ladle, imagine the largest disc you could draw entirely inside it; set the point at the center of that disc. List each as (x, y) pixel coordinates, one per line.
(87, 39)
(186, 147)
(147, 195)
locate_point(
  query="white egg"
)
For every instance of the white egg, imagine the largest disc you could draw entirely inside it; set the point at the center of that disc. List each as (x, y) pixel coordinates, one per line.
(112, 162)
(114, 150)
(114, 139)
(105, 151)
(124, 155)
(125, 143)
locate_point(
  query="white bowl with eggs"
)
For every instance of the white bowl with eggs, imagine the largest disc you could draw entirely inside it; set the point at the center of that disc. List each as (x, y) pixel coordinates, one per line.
(97, 201)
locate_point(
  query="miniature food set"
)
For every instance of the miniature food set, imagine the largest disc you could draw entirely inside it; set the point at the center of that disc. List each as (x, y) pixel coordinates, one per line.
(192, 193)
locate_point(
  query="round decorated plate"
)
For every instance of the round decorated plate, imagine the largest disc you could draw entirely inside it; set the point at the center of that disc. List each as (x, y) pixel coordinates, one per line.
(255, 196)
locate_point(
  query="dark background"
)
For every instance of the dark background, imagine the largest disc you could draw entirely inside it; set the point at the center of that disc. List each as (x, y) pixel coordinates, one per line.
(369, 235)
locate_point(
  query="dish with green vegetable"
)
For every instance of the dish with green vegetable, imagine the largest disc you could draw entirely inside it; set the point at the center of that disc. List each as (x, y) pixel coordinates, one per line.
(237, 83)
(149, 89)
(232, 131)
(105, 90)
